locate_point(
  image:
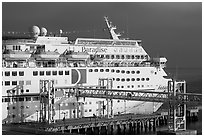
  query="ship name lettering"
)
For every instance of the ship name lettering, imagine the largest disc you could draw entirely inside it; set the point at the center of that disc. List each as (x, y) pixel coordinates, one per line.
(84, 49)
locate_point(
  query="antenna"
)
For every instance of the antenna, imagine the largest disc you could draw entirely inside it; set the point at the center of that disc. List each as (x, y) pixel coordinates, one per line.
(127, 25)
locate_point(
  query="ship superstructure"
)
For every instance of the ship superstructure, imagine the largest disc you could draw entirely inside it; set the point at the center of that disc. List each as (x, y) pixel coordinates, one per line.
(81, 63)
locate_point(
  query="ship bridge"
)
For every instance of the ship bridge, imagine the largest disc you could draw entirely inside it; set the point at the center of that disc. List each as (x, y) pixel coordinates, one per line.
(107, 42)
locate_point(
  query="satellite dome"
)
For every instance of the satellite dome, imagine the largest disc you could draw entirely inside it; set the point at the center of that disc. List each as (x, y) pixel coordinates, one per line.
(43, 31)
(35, 31)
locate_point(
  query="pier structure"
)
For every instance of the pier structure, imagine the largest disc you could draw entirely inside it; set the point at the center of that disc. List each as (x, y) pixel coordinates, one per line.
(175, 118)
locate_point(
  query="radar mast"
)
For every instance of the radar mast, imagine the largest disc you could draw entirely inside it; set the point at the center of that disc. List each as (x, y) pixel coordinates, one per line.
(111, 29)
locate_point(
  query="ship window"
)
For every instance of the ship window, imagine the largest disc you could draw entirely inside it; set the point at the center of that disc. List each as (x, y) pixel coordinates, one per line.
(41, 73)
(127, 79)
(142, 85)
(95, 70)
(137, 56)
(48, 73)
(85, 110)
(128, 56)
(133, 79)
(117, 71)
(107, 56)
(113, 79)
(107, 70)
(112, 70)
(54, 72)
(117, 56)
(14, 108)
(122, 86)
(7, 99)
(7, 83)
(21, 82)
(123, 71)
(14, 82)
(21, 99)
(147, 79)
(28, 98)
(35, 98)
(102, 56)
(142, 56)
(122, 57)
(22, 90)
(101, 70)
(146, 56)
(21, 73)
(112, 56)
(35, 73)
(132, 86)
(118, 86)
(155, 73)
(28, 82)
(117, 79)
(138, 86)
(143, 79)
(7, 73)
(133, 72)
(66, 72)
(133, 56)
(14, 73)
(90, 70)
(138, 79)
(128, 72)
(60, 72)
(89, 110)
(122, 79)
(138, 72)
(128, 86)
(27, 90)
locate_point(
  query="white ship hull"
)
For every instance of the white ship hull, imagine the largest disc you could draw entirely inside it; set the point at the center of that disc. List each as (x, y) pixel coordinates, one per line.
(86, 76)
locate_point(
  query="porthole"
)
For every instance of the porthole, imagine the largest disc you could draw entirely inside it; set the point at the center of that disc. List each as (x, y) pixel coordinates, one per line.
(117, 71)
(101, 70)
(133, 56)
(128, 72)
(123, 71)
(138, 72)
(95, 70)
(122, 57)
(133, 79)
(143, 79)
(117, 79)
(122, 79)
(127, 79)
(112, 56)
(112, 70)
(133, 72)
(117, 56)
(90, 70)
(147, 79)
(107, 70)
(138, 79)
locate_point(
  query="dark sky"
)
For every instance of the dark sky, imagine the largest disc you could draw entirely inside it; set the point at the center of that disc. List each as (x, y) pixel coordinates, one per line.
(173, 30)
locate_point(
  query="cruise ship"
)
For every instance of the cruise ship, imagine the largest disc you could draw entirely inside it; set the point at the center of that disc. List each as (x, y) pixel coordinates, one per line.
(80, 63)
